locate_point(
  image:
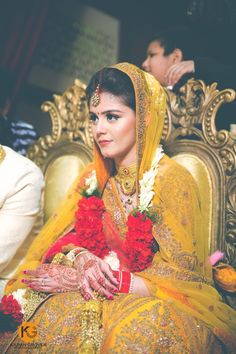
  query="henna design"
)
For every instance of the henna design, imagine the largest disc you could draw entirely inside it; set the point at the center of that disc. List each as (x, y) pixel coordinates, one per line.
(111, 288)
(89, 268)
(80, 271)
(89, 264)
(66, 278)
(82, 288)
(102, 281)
(87, 296)
(84, 293)
(69, 278)
(97, 272)
(94, 284)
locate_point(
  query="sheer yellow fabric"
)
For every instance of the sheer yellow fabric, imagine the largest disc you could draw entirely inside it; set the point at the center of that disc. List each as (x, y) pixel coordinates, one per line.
(179, 279)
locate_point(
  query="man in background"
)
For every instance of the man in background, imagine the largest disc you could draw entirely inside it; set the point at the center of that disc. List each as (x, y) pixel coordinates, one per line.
(18, 135)
(21, 189)
(171, 60)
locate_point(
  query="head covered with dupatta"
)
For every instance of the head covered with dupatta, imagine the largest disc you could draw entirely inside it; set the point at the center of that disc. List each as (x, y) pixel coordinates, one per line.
(150, 107)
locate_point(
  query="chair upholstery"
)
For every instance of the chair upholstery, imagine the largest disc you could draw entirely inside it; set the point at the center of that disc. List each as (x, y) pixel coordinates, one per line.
(190, 137)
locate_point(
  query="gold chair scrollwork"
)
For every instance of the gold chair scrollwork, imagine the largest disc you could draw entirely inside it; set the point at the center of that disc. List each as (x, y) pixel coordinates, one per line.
(191, 138)
(63, 154)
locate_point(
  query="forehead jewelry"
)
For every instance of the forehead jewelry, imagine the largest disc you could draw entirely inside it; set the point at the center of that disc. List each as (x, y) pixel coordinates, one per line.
(95, 99)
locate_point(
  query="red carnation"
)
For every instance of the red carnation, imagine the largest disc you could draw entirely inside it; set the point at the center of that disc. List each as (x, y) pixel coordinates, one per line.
(10, 313)
(89, 227)
(93, 204)
(139, 223)
(138, 243)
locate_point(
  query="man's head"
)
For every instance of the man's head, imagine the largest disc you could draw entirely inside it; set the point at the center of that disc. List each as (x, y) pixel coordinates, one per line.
(169, 46)
(6, 84)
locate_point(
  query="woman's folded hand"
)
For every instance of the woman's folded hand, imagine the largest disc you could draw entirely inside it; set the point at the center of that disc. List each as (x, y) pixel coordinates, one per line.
(52, 278)
(94, 275)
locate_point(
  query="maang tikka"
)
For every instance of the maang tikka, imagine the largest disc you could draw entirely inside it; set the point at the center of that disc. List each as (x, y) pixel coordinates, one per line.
(95, 99)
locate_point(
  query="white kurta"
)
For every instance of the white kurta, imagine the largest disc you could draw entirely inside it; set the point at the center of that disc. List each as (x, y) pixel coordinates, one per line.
(21, 185)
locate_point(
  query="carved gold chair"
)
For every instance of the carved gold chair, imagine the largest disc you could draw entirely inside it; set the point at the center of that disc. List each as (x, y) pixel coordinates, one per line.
(190, 137)
(63, 154)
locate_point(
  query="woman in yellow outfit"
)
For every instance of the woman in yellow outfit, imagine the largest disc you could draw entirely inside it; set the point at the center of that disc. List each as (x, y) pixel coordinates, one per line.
(125, 270)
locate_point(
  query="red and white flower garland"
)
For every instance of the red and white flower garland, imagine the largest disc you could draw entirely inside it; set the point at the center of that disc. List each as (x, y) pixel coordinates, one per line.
(137, 246)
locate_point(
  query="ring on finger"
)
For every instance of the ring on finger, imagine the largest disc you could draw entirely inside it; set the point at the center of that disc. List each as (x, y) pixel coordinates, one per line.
(99, 288)
(82, 289)
(101, 281)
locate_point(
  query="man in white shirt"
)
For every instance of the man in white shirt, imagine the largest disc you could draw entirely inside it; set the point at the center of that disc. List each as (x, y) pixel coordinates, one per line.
(21, 185)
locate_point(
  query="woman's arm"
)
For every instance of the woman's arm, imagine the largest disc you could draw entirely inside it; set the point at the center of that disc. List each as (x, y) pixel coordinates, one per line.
(89, 274)
(139, 286)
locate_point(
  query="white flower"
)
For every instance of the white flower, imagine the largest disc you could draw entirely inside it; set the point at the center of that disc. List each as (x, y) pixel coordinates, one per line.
(148, 178)
(92, 183)
(19, 297)
(158, 155)
(112, 260)
(147, 183)
(146, 200)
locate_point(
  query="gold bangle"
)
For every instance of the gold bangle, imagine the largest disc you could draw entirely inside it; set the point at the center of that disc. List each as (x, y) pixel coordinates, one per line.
(81, 252)
(72, 254)
(60, 258)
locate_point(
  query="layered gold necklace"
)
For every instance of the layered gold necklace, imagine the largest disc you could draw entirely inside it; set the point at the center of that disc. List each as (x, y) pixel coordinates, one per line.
(126, 178)
(2, 153)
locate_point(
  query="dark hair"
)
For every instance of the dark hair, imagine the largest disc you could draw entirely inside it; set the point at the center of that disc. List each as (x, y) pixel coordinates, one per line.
(6, 84)
(175, 38)
(115, 82)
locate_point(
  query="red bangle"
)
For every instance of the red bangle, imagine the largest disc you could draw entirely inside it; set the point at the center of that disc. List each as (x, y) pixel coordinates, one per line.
(117, 274)
(124, 279)
(125, 282)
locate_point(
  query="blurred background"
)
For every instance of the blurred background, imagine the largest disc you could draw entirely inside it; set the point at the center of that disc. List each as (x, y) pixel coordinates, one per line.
(49, 43)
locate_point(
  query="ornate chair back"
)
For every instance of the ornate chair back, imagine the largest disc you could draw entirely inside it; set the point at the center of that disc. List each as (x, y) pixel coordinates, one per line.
(190, 137)
(68, 149)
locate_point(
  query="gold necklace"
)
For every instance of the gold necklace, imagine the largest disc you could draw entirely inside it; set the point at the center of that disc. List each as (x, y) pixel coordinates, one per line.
(128, 203)
(126, 178)
(2, 153)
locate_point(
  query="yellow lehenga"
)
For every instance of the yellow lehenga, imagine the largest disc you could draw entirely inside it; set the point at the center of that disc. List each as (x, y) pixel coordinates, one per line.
(184, 313)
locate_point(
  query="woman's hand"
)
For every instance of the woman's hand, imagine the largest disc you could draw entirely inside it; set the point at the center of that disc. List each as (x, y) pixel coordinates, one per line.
(95, 274)
(52, 278)
(176, 71)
